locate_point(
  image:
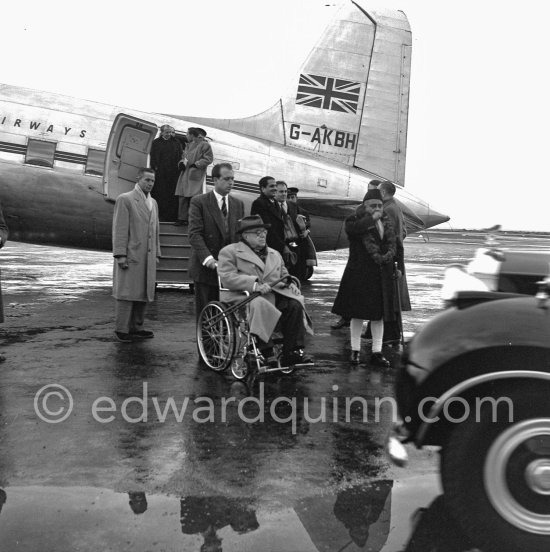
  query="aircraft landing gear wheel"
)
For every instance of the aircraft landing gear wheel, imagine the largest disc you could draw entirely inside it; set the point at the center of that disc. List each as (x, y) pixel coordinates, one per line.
(216, 337)
(496, 474)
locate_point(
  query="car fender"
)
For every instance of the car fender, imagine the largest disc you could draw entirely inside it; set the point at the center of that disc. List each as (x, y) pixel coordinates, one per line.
(515, 322)
(461, 388)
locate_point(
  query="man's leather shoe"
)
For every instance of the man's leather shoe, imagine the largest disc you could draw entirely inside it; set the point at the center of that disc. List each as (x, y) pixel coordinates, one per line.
(295, 357)
(142, 334)
(354, 358)
(378, 359)
(123, 337)
(342, 323)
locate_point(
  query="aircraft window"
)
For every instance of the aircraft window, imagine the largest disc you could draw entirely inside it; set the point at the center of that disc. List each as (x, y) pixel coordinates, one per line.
(95, 162)
(40, 152)
(235, 164)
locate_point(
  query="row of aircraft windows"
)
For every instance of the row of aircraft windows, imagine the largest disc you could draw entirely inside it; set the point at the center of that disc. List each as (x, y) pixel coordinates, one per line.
(42, 153)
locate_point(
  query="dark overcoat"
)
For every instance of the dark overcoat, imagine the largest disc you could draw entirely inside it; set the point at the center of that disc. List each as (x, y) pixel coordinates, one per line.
(207, 233)
(367, 288)
(165, 156)
(271, 214)
(4, 237)
(307, 255)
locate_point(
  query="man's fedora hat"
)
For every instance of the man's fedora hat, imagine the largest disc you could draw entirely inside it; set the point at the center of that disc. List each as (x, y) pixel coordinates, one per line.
(251, 222)
(293, 191)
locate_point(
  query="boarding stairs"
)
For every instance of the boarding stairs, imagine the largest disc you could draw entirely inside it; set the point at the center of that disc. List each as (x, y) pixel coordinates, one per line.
(176, 252)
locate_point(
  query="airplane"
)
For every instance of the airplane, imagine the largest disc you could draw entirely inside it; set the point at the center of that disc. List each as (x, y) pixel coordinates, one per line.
(341, 124)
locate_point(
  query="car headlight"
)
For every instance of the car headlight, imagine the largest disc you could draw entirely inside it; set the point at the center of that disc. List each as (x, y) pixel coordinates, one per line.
(481, 274)
(485, 266)
(457, 279)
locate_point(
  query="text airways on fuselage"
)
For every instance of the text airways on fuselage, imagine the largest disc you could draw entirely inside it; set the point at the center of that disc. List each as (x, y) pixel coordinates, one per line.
(39, 126)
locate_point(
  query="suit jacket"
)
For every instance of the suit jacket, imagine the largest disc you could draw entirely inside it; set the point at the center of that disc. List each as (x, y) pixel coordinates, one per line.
(4, 236)
(136, 237)
(271, 214)
(239, 268)
(207, 233)
(190, 181)
(395, 214)
(396, 217)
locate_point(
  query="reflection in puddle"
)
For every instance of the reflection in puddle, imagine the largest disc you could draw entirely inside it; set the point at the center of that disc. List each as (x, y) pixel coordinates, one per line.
(367, 517)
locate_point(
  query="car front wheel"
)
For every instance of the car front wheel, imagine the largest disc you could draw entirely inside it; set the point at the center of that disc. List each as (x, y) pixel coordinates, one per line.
(496, 472)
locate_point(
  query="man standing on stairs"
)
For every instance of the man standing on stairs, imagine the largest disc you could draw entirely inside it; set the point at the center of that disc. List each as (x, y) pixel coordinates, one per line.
(212, 225)
(166, 153)
(136, 249)
(198, 156)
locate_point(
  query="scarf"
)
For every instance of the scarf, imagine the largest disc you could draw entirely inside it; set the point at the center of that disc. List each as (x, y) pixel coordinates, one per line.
(374, 248)
(262, 253)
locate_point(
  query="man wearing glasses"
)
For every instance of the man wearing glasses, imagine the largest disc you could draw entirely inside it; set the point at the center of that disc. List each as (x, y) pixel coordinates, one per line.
(212, 225)
(250, 265)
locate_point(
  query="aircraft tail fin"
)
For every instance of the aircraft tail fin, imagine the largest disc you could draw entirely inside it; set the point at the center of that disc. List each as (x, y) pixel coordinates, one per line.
(349, 101)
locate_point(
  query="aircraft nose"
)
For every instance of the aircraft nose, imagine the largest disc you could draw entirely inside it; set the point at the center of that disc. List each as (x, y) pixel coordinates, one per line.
(433, 218)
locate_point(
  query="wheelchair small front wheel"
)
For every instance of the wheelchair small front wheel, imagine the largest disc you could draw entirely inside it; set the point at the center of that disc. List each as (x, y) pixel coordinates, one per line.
(239, 368)
(216, 336)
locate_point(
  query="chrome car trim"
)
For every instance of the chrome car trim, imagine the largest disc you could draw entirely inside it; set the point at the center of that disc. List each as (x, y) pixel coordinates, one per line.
(467, 384)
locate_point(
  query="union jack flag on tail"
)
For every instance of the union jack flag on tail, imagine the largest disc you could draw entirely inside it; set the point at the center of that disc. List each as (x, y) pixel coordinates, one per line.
(328, 93)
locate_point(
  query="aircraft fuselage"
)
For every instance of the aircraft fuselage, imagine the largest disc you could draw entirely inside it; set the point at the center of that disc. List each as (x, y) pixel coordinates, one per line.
(69, 203)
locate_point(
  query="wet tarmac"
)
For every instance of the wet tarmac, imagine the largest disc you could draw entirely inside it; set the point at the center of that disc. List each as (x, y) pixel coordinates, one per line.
(284, 464)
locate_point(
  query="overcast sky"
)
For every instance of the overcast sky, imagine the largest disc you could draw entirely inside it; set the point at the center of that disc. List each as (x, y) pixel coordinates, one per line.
(478, 119)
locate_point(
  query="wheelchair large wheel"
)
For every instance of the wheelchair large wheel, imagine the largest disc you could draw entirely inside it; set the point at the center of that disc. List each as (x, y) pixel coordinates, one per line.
(216, 336)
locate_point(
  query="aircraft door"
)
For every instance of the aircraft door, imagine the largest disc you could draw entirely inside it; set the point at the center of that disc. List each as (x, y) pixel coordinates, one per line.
(128, 150)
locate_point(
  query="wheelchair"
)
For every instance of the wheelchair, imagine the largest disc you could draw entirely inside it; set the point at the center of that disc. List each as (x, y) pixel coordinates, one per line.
(224, 339)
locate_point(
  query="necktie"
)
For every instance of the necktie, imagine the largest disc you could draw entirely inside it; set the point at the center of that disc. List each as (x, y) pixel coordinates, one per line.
(285, 208)
(224, 213)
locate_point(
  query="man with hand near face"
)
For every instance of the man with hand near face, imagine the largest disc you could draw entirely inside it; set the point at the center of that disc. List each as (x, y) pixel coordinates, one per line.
(366, 291)
(212, 225)
(136, 249)
(198, 156)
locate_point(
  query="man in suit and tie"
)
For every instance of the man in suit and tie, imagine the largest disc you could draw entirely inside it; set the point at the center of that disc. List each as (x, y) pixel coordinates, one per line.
(268, 208)
(289, 213)
(212, 225)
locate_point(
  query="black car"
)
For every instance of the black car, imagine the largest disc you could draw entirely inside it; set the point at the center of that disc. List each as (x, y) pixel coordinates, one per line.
(475, 381)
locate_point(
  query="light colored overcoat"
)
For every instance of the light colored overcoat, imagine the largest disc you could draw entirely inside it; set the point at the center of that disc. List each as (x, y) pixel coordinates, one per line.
(135, 236)
(190, 181)
(239, 268)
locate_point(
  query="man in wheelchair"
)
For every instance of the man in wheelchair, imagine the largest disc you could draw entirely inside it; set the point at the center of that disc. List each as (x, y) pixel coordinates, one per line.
(249, 265)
